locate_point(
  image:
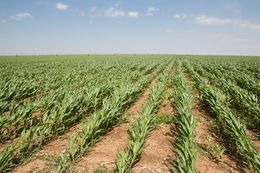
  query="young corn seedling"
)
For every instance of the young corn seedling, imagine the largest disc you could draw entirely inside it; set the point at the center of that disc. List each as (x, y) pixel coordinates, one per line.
(139, 130)
(100, 122)
(230, 124)
(7, 161)
(184, 143)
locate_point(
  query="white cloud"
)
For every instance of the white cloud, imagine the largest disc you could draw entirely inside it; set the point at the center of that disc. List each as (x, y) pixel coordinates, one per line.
(180, 16)
(248, 24)
(93, 9)
(112, 12)
(21, 16)
(169, 30)
(151, 11)
(82, 14)
(61, 6)
(3, 21)
(133, 14)
(203, 19)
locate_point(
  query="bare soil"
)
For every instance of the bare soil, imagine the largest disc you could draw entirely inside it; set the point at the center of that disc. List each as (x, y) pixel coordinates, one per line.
(257, 145)
(255, 141)
(166, 107)
(45, 157)
(36, 117)
(205, 163)
(134, 110)
(9, 143)
(103, 154)
(158, 147)
(157, 151)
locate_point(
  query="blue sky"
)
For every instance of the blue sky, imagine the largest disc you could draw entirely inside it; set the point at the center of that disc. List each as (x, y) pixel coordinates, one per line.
(130, 26)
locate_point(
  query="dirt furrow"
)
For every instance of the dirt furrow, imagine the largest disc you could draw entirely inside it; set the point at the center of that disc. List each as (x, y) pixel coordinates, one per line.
(158, 147)
(9, 143)
(44, 160)
(208, 147)
(36, 116)
(211, 158)
(103, 154)
(157, 151)
(255, 139)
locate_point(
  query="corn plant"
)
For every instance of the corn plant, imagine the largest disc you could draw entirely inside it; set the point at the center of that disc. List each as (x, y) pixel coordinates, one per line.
(240, 99)
(139, 130)
(243, 80)
(69, 110)
(184, 128)
(216, 100)
(101, 121)
(6, 156)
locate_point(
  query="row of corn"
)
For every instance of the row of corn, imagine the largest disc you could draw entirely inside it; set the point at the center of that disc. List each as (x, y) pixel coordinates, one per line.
(100, 122)
(242, 79)
(243, 100)
(139, 129)
(229, 123)
(58, 117)
(184, 127)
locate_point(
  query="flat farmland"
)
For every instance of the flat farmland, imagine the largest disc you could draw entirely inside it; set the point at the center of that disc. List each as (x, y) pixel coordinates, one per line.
(129, 113)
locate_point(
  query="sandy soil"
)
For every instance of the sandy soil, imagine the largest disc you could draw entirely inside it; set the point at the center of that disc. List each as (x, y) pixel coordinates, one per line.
(205, 163)
(158, 149)
(158, 145)
(44, 157)
(105, 151)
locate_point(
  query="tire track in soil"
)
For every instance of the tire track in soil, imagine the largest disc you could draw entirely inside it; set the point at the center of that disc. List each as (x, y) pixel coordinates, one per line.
(103, 154)
(158, 147)
(205, 163)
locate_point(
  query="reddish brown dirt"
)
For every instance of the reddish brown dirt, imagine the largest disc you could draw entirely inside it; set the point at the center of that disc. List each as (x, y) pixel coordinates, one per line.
(255, 141)
(9, 143)
(158, 149)
(205, 164)
(6, 144)
(34, 166)
(36, 116)
(134, 110)
(257, 145)
(49, 151)
(166, 107)
(173, 70)
(104, 152)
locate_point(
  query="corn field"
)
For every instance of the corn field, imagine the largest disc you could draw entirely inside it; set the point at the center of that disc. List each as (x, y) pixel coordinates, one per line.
(55, 111)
